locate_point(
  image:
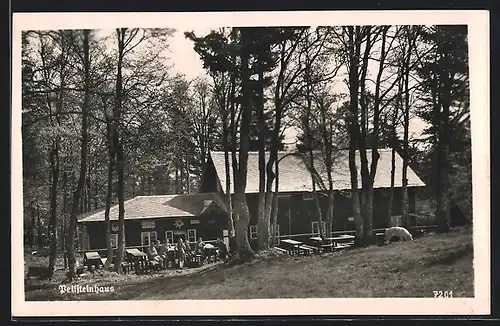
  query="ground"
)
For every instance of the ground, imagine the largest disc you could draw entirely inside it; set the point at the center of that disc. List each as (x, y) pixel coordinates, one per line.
(405, 269)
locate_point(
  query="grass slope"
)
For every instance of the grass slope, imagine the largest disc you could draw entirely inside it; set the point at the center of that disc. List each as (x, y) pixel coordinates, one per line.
(405, 269)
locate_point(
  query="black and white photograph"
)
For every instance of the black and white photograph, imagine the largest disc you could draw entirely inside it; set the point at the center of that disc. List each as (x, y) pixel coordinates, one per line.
(200, 160)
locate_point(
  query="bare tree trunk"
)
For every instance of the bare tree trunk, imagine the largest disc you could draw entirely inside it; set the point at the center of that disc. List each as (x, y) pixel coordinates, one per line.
(70, 242)
(225, 131)
(366, 182)
(39, 227)
(109, 193)
(119, 152)
(353, 127)
(274, 200)
(33, 227)
(54, 165)
(245, 251)
(442, 208)
(177, 181)
(262, 222)
(188, 179)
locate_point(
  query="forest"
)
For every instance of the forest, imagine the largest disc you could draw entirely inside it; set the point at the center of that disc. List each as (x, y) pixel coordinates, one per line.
(104, 120)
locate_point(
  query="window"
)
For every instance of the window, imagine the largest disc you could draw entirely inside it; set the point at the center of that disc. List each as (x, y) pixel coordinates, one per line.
(114, 240)
(315, 226)
(191, 236)
(169, 235)
(148, 224)
(148, 237)
(308, 196)
(253, 232)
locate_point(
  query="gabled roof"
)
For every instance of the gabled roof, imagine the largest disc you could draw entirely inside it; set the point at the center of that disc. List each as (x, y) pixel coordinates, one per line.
(294, 176)
(148, 207)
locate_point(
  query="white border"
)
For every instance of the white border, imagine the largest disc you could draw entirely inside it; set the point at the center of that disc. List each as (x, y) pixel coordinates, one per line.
(478, 22)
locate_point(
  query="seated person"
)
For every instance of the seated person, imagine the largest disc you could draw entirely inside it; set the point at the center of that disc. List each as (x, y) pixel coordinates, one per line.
(200, 248)
(163, 252)
(153, 254)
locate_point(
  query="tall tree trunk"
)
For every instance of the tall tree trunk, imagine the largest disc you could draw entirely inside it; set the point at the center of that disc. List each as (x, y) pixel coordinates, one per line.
(442, 208)
(393, 168)
(109, 192)
(366, 182)
(54, 166)
(96, 189)
(227, 167)
(262, 222)
(177, 180)
(404, 181)
(309, 137)
(33, 227)
(120, 164)
(182, 176)
(353, 128)
(271, 199)
(242, 218)
(39, 227)
(70, 242)
(274, 199)
(89, 192)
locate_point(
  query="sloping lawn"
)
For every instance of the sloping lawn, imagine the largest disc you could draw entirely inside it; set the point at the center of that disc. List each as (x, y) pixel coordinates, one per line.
(405, 269)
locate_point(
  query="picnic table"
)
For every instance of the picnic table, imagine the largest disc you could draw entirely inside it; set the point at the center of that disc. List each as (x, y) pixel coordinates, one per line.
(342, 241)
(92, 258)
(137, 257)
(294, 245)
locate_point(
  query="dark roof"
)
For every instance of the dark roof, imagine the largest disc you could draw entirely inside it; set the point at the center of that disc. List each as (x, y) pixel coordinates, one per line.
(294, 176)
(147, 207)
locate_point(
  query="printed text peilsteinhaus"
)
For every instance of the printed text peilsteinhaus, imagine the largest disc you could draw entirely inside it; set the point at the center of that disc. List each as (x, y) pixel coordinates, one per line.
(77, 289)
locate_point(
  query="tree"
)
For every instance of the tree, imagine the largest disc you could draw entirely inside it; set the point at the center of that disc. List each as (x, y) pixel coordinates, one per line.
(444, 71)
(70, 242)
(219, 53)
(354, 53)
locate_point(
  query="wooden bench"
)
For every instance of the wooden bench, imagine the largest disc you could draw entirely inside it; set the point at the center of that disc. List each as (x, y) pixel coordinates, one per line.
(305, 250)
(311, 249)
(281, 250)
(342, 246)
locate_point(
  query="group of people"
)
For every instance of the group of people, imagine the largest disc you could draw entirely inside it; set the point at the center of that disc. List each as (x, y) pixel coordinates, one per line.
(165, 253)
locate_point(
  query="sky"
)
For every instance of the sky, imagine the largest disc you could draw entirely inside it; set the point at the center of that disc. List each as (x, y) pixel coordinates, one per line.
(184, 58)
(187, 62)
